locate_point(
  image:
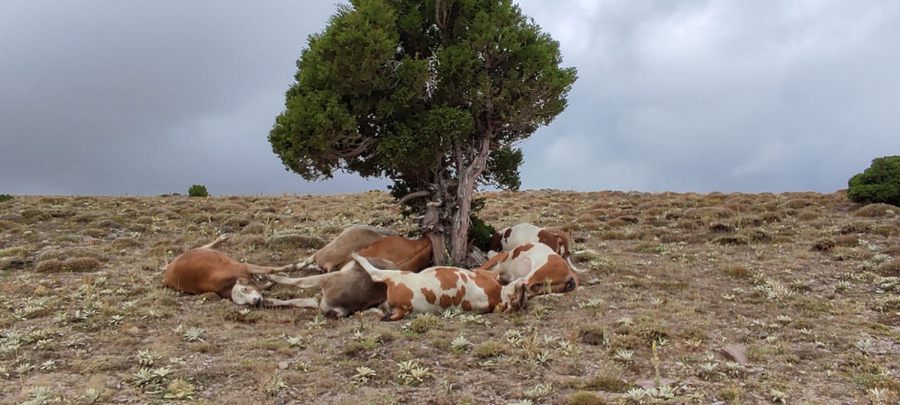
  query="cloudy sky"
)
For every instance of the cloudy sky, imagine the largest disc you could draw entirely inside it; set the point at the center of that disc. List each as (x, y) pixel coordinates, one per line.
(148, 97)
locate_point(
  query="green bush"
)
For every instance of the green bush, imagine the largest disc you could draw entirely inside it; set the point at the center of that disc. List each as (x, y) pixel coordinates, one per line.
(198, 190)
(880, 183)
(5, 197)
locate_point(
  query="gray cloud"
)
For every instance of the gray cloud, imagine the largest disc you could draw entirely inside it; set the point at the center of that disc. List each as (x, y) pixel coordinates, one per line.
(149, 97)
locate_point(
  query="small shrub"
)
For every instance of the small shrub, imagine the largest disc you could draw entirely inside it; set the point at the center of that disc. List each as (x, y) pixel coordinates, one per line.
(198, 190)
(876, 211)
(824, 245)
(890, 269)
(880, 183)
(491, 348)
(585, 398)
(423, 323)
(5, 197)
(593, 335)
(731, 240)
(737, 271)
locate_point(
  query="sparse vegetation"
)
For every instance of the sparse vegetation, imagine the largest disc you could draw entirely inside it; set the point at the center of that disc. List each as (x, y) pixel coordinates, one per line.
(686, 297)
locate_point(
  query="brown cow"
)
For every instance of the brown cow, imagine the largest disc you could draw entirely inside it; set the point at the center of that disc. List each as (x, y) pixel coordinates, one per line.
(204, 269)
(344, 292)
(337, 252)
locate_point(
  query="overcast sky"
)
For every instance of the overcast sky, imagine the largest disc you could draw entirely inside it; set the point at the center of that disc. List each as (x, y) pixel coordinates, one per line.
(148, 97)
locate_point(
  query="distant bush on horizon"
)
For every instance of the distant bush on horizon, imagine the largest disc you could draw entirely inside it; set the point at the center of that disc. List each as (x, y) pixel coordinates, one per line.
(880, 183)
(5, 197)
(198, 190)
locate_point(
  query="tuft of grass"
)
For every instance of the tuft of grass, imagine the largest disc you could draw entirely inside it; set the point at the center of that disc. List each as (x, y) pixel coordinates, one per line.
(737, 271)
(423, 323)
(585, 398)
(594, 335)
(876, 211)
(824, 245)
(488, 349)
(730, 240)
(890, 268)
(77, 264)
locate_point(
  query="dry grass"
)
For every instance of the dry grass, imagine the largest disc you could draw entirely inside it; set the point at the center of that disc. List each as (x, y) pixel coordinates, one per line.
(806, 283)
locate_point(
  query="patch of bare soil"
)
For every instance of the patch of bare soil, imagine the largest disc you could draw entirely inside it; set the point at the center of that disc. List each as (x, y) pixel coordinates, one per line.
(738, 298)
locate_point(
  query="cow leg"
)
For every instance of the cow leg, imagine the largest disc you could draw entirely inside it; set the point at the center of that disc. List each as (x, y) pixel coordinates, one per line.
(218, 241)
(296, 302)
(254, 269)
(300, 282)
(396, 314)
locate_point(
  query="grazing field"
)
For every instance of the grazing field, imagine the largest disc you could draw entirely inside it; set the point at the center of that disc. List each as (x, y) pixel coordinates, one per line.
(740, 298)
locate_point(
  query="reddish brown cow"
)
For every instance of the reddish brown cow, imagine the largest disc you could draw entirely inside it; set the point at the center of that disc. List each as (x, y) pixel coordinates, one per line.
(204, 270)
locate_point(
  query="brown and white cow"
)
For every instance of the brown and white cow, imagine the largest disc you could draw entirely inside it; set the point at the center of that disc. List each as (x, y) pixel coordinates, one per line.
(204, 270)
(345, 291)
(438, 288)
(508, 238)
(337, 252)
(517, 235)
(541, 268)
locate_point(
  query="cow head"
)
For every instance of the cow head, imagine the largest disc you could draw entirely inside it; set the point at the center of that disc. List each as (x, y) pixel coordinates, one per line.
(245, 292)
(513, 296)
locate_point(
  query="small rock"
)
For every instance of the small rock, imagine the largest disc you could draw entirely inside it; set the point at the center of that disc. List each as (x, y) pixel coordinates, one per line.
(282, 365)
(593, 281)
(737, 353)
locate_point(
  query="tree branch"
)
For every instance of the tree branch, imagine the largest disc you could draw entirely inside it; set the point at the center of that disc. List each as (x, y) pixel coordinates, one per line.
(413, 195)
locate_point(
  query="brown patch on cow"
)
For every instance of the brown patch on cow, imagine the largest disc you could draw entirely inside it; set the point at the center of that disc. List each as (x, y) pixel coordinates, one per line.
(521, 248)
(507, 233)
(447, 277)
(499, 257)
(556, 271)
(488, 282)
(429, 295)
(556, 240)
(494, 244)
(399, 295)
(451, 300)
(466, 305)
(408, 254)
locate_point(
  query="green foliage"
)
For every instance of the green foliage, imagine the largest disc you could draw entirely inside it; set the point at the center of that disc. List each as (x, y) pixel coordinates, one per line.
(432, 94)
(880, 183)
(5, 197)
(198, 190)
(480, 232)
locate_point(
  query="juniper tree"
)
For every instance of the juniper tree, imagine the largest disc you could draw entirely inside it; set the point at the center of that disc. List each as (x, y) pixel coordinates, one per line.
(433, 95)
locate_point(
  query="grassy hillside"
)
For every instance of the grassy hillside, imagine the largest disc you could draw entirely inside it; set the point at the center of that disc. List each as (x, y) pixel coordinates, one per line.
(681, 287)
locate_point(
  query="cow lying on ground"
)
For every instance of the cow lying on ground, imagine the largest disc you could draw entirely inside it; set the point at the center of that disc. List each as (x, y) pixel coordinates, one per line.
(406, 254)
(344, 292)
(438, 288)
(542, 269)
(204, 269)
(509, 238)
(337, 252)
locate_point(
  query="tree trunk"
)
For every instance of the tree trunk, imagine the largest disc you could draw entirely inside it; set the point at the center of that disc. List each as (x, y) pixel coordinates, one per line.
(465, 190)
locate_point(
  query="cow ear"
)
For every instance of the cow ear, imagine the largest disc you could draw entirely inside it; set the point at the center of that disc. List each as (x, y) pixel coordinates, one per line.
(243, 281)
